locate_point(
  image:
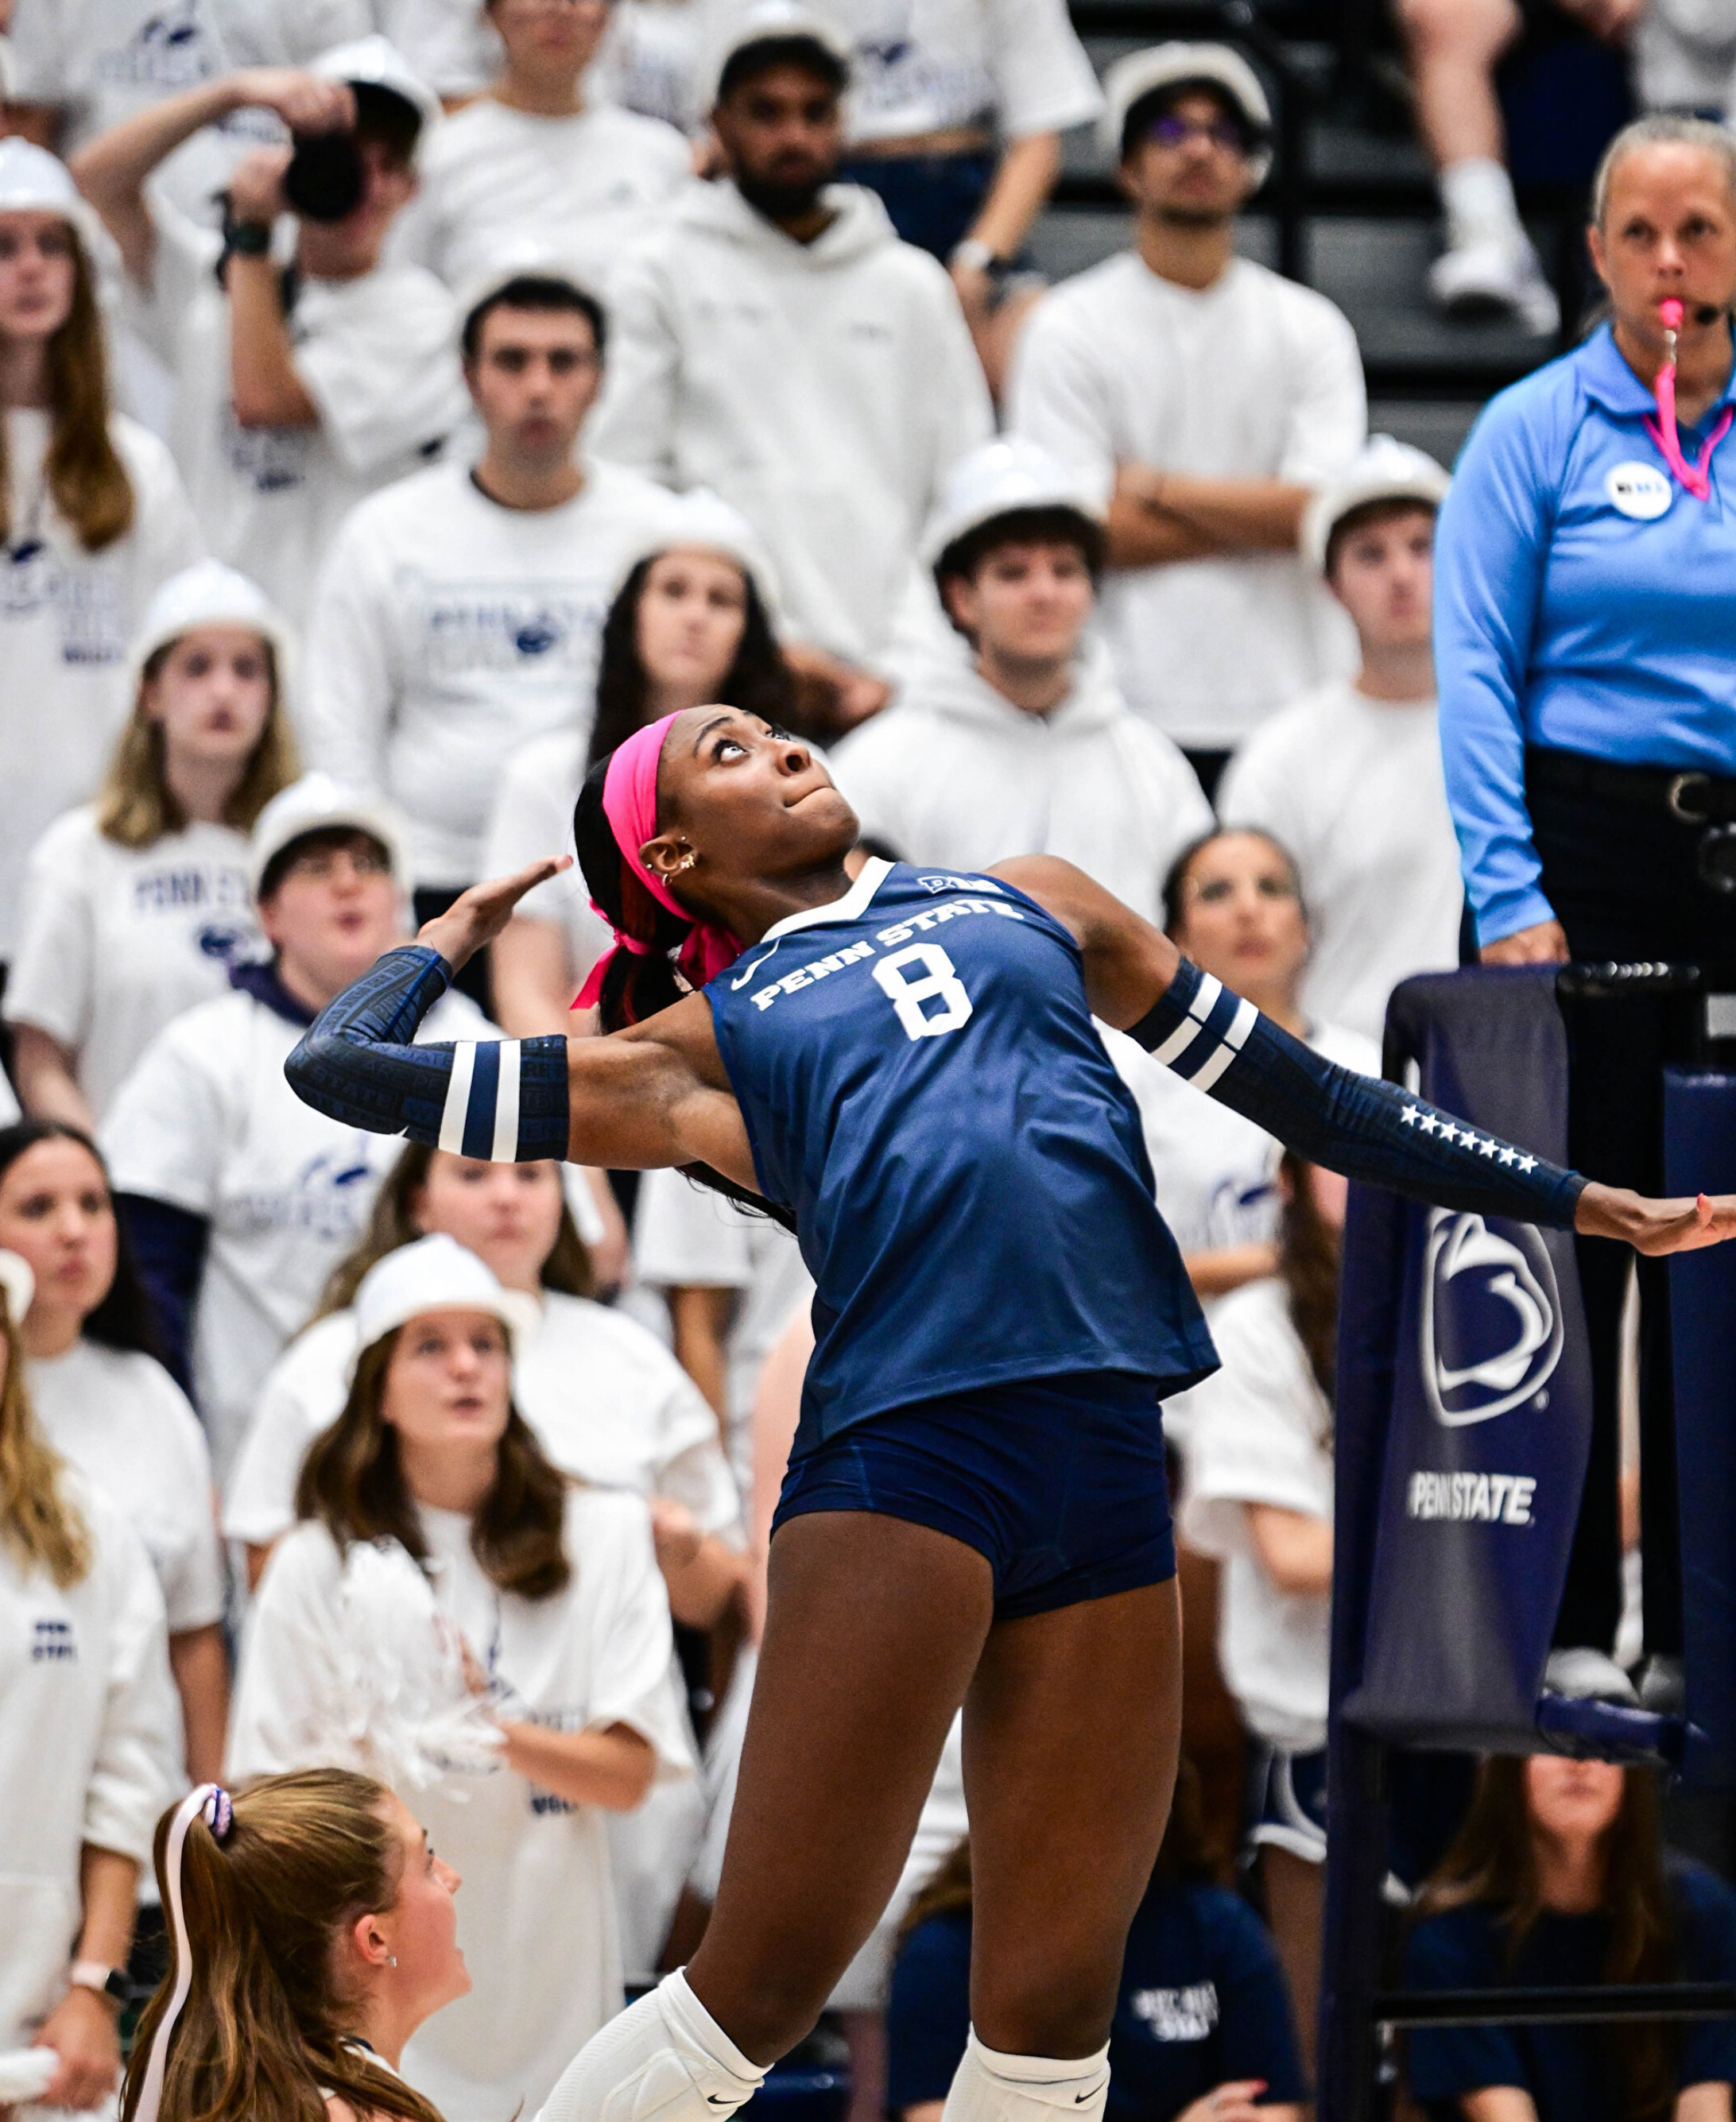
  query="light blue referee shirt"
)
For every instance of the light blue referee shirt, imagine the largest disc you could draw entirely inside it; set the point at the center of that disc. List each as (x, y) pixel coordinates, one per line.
(1583, 602)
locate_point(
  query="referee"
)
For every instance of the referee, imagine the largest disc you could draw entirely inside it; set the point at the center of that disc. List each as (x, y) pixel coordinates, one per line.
(1585, 638)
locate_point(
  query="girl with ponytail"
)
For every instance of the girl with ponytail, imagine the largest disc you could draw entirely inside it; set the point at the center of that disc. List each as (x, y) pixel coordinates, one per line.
(312, 1930)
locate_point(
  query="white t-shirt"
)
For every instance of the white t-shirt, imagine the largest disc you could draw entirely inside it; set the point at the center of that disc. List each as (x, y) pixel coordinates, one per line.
(448, 630)
(206, 1123)
(954, 774)
(1353, 787)
(536, 1918)
(608, 1402)
(377, 355)
(117, 941)
(1253, 377)
(84, 1699)
(532, 817)
(824, 389)
(1262, 1433)
(123, 1421)
(490, 174)
(66, 618)
(932, 66)
(685, 1237)
(1215, 1171)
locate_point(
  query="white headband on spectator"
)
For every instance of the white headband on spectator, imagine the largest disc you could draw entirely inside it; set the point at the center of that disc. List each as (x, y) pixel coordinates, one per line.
(212, 1802)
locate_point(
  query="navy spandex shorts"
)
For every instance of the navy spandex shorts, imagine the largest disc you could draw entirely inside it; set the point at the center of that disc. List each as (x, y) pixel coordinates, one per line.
(1060, 1482)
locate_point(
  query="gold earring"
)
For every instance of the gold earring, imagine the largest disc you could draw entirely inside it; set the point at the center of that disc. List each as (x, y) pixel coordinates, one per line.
(687, 860)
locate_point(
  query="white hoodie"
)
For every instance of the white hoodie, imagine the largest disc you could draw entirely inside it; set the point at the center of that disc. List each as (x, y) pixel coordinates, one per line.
(824, 389)
(955, 774)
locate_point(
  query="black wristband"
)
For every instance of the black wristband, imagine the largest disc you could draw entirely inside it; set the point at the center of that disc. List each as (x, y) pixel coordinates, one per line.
(247, 239)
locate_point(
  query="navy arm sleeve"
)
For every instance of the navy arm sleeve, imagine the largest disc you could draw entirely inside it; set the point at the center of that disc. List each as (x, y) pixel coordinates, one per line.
(501, 1099)
(1356, 1125)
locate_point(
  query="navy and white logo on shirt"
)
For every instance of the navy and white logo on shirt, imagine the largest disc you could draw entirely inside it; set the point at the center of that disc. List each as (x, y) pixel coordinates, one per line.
(1176, 2015)
(1639, 490)
(54, 1641)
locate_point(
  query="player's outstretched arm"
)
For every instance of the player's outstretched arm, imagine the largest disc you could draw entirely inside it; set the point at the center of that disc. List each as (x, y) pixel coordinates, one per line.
(655, 1096)
(1136, 979)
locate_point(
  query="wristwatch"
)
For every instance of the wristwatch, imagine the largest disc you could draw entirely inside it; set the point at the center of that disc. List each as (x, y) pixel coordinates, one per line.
(974, 256)
(248, 239)
(109, 1982)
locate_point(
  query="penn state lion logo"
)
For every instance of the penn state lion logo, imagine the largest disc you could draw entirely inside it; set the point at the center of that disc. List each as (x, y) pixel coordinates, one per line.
(1491, 1319)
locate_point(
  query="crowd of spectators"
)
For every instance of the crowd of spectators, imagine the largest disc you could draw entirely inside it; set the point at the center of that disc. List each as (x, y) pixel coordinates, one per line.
(403, 402)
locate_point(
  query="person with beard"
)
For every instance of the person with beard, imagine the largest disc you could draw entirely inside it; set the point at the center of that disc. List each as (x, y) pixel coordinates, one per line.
(1204, 397)
(776, 342)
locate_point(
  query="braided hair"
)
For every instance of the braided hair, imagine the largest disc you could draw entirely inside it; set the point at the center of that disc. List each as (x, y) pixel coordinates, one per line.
(637, 984)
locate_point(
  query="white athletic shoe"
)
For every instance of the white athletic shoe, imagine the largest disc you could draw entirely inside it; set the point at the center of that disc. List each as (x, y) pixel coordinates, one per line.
(1584, 1675)
(1496, 276)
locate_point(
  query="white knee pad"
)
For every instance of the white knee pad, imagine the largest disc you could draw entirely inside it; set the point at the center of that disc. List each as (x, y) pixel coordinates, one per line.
(988, 2087)
(663, 2060)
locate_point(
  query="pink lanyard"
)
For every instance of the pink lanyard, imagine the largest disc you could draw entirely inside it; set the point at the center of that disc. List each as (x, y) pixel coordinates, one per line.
(1661, 425)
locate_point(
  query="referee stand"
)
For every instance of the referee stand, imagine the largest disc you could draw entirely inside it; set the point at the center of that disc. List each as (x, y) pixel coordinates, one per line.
(1463, 1430)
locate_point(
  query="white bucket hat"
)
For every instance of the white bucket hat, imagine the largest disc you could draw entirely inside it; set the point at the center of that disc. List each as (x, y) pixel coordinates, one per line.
(705, 522)
(316, 803)
(436, 1273)
(17, 1285)
(1162, 66)
(33, 181)
(209, 594)
(1385, 470)
(375, 62)
(522, 258)
(775, 21)
(1001, 477)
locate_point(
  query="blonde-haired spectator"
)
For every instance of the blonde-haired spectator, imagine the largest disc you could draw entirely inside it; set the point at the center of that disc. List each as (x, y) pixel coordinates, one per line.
(136, 904)
(82, 1717)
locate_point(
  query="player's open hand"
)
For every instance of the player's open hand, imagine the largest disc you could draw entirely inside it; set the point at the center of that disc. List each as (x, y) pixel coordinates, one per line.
(479, 916)
(1655, 1227)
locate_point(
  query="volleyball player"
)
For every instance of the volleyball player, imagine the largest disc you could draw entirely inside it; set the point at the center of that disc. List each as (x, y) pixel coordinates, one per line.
(975, 1509)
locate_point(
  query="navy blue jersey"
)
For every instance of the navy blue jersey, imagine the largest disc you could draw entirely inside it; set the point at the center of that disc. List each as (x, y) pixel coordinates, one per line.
(922, 1086)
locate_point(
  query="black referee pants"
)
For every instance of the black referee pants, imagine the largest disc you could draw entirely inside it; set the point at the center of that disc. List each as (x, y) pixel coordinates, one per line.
(1623, 879)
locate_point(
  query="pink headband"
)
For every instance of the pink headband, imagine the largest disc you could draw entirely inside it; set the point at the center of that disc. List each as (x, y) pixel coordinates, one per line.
(630, 804)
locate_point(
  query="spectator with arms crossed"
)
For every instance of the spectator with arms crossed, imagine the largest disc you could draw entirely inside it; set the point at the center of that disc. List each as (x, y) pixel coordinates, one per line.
(1203, 396)
(1349, 778)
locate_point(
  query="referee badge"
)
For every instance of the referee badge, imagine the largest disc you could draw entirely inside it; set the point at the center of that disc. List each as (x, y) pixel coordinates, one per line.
(1639, 490)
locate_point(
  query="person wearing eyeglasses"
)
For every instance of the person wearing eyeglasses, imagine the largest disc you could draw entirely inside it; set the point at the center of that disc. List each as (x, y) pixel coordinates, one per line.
(237, 1199)
(1202, 397)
